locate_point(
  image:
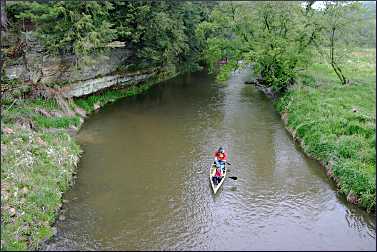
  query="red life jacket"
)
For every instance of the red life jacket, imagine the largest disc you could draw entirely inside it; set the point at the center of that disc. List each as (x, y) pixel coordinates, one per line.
(218, 173)
(221, 156)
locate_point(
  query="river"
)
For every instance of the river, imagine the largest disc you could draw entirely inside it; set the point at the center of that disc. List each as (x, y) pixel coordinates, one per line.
(143, 178)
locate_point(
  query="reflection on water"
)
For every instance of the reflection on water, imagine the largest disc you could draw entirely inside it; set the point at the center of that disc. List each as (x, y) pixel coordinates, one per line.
(143, 181)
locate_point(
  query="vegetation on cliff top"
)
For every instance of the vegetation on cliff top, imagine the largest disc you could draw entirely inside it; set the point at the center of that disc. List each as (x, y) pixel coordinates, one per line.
(160, 33)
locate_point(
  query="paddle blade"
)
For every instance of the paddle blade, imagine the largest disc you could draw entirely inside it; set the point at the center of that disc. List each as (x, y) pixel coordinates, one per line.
(234, 178)
(228, 163)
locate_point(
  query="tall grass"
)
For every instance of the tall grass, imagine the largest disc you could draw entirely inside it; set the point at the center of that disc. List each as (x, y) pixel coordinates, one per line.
(337, 123)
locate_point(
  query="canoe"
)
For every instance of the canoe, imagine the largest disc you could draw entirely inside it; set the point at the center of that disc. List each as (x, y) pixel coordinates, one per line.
(215, 186)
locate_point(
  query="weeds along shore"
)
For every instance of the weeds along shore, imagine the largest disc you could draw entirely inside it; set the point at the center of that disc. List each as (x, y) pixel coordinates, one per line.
(336, 124)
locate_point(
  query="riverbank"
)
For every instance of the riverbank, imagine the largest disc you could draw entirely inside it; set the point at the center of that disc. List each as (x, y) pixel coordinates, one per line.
(39, 157)
(335, 124)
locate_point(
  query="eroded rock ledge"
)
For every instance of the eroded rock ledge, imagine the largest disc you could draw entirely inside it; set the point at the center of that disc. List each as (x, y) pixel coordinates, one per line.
(86, 87)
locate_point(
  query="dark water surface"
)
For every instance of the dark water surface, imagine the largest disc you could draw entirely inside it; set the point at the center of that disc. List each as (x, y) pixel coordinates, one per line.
(143, 182)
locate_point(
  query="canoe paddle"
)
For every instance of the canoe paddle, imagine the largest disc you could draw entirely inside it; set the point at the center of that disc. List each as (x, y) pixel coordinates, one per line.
(232, 177)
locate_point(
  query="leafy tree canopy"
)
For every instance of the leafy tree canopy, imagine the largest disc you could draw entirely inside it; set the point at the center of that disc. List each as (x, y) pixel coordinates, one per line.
(160, 33)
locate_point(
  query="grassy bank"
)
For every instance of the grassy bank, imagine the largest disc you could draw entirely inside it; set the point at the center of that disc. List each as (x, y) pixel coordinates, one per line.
(336, 124)
(39, 157)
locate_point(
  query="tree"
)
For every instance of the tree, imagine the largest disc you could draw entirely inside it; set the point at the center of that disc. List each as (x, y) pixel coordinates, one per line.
(276, 37)
(341, 23)
(219, 37)
(160, 33)
(284, 36)
(77, 27)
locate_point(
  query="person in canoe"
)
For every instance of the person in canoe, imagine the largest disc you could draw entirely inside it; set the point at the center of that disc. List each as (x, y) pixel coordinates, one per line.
(218, 176)
(220, 158)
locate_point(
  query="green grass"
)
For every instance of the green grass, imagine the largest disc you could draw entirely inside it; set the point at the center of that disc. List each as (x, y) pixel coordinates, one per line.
(43, 103)
(321, 112)
(26, 110)
(36, 168)
(88, 103)
(56, 122)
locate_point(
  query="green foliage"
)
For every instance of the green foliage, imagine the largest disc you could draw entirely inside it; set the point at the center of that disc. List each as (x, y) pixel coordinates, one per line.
(221, 39)
(367, 32)
(88, 103)
(307, 80)
(76, 27)
(25, 109)
(282, 45)
(50, 104)
(348, 146)
(357, 181)
(279, 38)
(337, 124)
(161, 33)
(274, 36)
(341, 24)
(158, 33)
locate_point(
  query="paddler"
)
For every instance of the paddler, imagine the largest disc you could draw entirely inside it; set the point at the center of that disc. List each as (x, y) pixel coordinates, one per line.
(220, 158)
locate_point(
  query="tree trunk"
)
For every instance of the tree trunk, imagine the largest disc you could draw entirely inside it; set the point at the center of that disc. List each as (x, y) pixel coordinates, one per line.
(3, 19)
(339, 73)
(335, 66)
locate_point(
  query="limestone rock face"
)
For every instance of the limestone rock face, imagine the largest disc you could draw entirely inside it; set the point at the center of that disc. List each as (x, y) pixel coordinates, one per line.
(17, 72)
(38, 66)
(64, 68)
(86, 87)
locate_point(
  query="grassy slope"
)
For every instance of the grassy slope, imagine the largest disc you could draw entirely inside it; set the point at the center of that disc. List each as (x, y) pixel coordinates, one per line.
(336, 123)
(37, 166)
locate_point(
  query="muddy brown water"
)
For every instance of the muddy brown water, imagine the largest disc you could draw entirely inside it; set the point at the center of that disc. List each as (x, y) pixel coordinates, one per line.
(143, 178)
